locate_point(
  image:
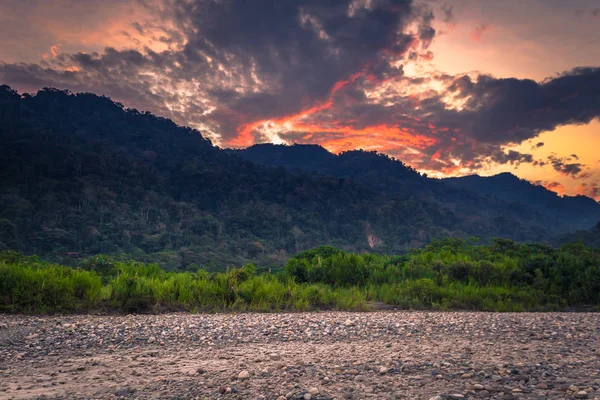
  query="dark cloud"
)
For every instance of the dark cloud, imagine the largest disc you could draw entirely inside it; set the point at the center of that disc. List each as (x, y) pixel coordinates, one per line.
(511, 157)
(561, 164)
(426, 31)
(447, 9)
(249, 60)
(538, 145)
(500, 112)
(230, 65)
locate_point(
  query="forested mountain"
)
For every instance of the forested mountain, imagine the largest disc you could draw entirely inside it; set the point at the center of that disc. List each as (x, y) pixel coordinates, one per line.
(503, 193)
(578, 212)
(589, 237)
(83, 175)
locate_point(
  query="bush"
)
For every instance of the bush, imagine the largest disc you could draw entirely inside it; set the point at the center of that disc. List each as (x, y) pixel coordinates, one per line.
(504, 276)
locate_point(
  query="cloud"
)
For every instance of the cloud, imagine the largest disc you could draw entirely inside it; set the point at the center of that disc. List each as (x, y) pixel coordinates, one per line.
(561, 164)
(591, 189)
(554, 186)
(310, 71)
(448, 12)
(478, 32)
(538, 145)
(511, 157)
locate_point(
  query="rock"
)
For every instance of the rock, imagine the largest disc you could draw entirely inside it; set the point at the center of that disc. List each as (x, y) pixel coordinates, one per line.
(293, 352)
(123, 391)
(151, 339)
(307, 396)
(225, 389)
(243, 375)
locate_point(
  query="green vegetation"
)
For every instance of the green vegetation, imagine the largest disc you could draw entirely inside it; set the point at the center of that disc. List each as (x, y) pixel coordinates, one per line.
(447, 274)
(82, 175)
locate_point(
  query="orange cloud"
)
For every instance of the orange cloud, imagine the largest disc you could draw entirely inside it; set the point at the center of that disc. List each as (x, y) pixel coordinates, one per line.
(53, 53)
(591, 190)
(557, 187)
(245, 137)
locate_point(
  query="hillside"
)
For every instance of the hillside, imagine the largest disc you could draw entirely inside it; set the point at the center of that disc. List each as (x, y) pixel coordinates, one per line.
(83, 175)
(504, 193)
(589, 237)
(578, 212)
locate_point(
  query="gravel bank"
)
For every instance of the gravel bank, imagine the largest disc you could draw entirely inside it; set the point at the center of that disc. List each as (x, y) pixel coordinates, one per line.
(382, 355)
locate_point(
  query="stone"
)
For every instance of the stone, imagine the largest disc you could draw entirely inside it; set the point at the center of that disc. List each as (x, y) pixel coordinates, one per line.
(243, 375)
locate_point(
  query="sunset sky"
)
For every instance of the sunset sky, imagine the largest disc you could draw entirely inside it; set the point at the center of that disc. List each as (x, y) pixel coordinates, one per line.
(449, 87)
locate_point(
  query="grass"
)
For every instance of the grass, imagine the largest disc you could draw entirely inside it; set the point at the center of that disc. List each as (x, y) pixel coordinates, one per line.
(445, 275)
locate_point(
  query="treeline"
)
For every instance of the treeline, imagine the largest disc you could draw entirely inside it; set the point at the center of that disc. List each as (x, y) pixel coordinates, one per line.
(84, 175)
(447, 274)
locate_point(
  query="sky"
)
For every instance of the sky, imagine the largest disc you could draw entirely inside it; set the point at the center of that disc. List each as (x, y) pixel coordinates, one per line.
(449, 87)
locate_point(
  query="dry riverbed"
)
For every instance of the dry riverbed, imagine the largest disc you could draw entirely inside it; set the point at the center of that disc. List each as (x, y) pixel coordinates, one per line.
(382, 355)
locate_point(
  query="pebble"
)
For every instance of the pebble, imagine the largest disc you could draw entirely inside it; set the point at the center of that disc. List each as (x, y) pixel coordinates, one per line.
(243, 375)
(407, 354)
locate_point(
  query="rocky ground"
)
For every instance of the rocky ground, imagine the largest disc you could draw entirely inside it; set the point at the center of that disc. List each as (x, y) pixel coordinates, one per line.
(382, 355)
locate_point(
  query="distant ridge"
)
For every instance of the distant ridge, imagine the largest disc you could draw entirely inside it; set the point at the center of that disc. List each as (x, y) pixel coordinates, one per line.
(505, 192)
(578, 212)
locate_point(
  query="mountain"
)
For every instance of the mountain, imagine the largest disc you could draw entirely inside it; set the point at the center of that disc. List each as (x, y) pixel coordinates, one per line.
(504, 193)
(83, 175)
(589, 237)
(576, 212)
(376, 170)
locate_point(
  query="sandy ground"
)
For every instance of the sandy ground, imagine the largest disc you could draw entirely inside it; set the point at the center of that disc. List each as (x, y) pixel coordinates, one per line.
(381, 355)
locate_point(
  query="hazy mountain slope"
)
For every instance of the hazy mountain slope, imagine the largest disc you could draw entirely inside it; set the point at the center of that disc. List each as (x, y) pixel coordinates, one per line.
(391, 176)
(589, 237)
(577, 212)
(81, 173)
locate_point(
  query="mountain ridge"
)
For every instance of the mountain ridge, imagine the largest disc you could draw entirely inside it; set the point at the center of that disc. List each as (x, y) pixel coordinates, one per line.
(387, 174)
(84, 175)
